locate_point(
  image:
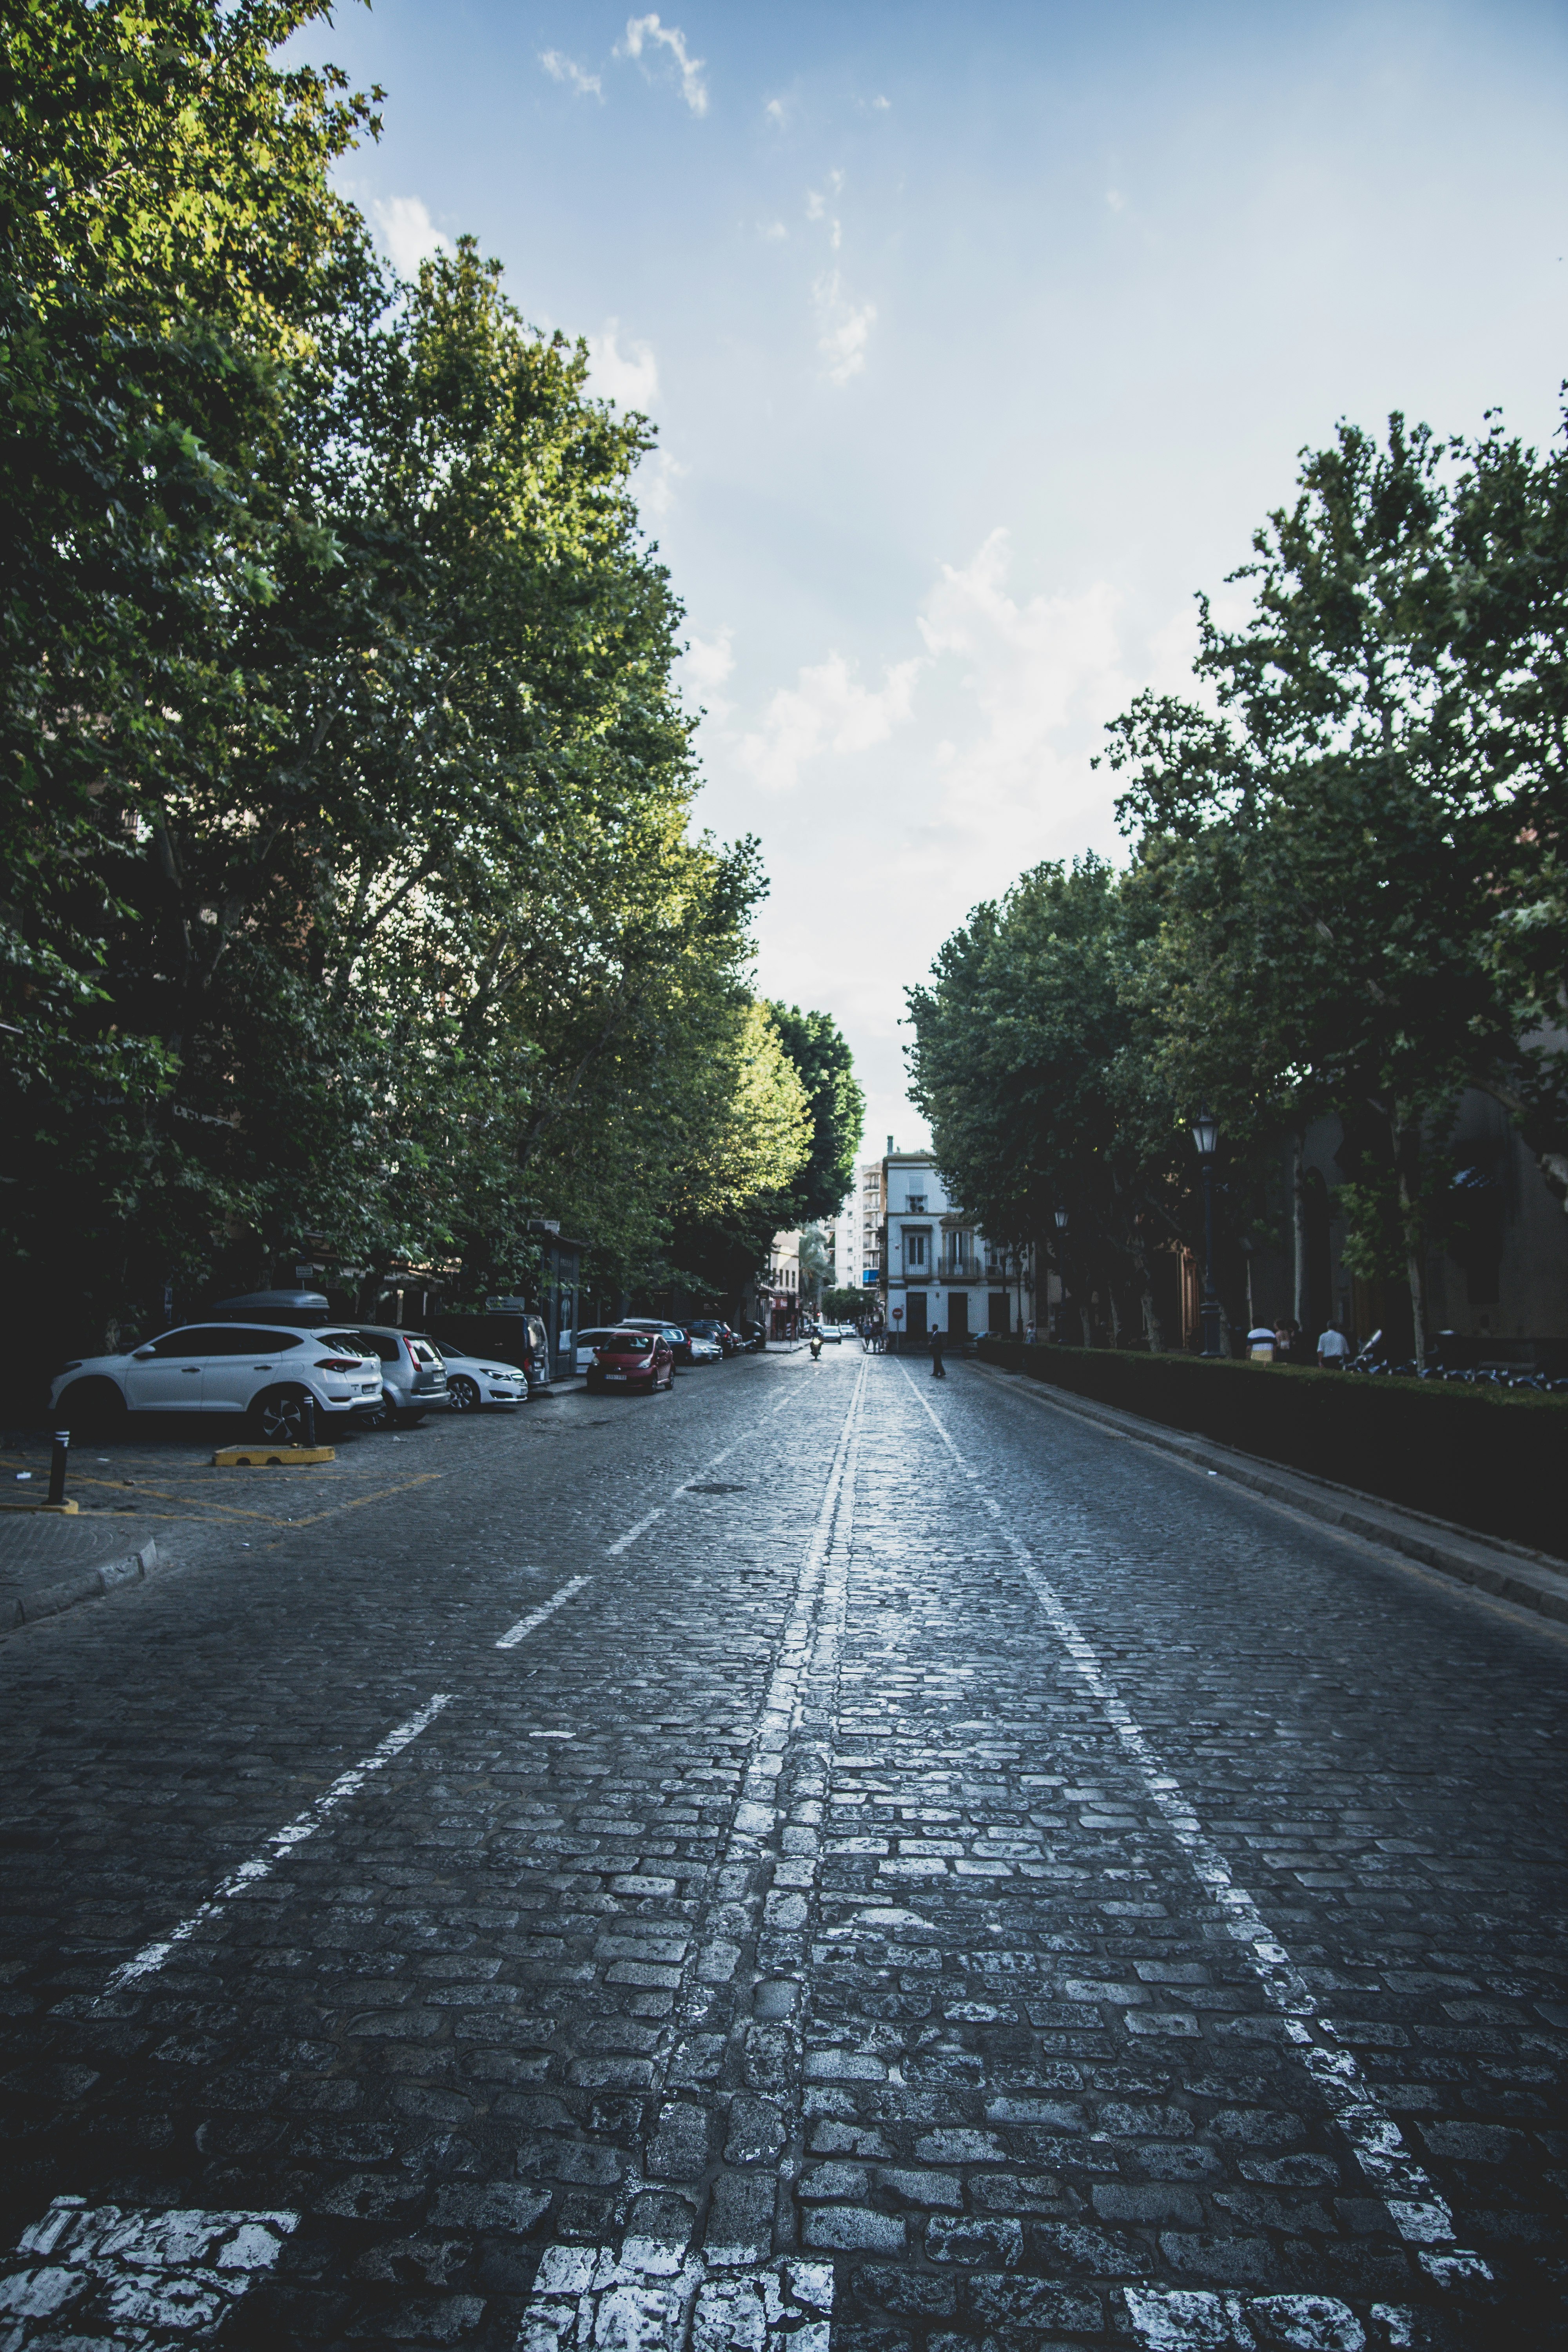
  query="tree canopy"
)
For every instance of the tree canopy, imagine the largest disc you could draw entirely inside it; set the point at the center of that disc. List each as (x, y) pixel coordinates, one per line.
(1346, 887)
(348, 895)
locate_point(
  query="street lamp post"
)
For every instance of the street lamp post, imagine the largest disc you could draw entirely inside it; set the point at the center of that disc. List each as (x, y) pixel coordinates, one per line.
(1205, 1135)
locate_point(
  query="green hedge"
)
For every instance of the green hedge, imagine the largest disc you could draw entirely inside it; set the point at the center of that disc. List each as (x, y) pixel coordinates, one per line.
(1492, 1459)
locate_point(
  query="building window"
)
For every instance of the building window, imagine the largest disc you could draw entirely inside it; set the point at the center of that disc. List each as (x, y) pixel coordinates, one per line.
(917, 1203)
(914, 1249)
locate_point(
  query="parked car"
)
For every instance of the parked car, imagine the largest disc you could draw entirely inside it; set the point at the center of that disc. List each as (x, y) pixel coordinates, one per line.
(262, 1372)
(588, 1343)
(630, 1359)
(413, 1376)
(675, 1333)
(470, 1383)
(510, 1336)
(727, 1341)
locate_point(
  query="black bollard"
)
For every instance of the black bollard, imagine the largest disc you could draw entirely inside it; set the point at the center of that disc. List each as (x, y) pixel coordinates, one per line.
(308, 1419)
(57, 1466)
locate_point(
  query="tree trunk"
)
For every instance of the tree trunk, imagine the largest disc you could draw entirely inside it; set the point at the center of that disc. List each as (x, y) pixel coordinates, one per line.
(1406, 1144)
(1153, 1327)
(1301, 1307)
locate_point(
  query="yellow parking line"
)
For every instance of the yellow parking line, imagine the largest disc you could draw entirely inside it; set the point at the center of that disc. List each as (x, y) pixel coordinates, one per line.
(218, 1511)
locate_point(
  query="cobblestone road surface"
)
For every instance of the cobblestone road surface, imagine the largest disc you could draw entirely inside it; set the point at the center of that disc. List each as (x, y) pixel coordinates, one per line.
(822, 1855)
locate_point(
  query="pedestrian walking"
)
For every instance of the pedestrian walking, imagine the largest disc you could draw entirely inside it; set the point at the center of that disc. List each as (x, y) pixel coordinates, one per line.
(938, 1369)
(1333, 1350)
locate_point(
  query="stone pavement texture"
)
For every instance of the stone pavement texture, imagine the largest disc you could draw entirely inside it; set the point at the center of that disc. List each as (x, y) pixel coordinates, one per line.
(819, 1858)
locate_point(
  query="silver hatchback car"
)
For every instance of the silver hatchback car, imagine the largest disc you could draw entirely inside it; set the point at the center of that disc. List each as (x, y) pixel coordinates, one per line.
(413, 1376)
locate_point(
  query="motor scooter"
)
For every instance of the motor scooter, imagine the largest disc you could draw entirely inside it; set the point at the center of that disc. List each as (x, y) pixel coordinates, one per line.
(816, 1347)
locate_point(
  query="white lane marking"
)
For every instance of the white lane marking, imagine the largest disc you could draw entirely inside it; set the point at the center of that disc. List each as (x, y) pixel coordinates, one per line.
(99, 2277)
(151, 1957)
(624, 1543)
(658, 2298)
(1513, 1612)
(766, 1761)
(1419, 2212)
(525, 1625)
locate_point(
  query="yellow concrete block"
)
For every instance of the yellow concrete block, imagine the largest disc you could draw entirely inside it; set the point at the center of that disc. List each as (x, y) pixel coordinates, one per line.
(26, 1502)
(268, 1457)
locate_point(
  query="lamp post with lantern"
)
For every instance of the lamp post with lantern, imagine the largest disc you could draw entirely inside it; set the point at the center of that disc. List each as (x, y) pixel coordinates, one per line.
(1205, 1136)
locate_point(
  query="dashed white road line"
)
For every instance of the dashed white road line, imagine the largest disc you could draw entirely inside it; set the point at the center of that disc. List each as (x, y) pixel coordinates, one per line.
(652, 2296)
(624, 1543)
(525, 1625)
(151, 1957)
(1419, 2212)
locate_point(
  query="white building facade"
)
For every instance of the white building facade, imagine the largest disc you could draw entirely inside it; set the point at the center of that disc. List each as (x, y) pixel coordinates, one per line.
(938, 1272)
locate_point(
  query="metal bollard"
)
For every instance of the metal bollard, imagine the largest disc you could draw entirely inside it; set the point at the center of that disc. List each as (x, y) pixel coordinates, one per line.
(308, 1420)
(57, 1466)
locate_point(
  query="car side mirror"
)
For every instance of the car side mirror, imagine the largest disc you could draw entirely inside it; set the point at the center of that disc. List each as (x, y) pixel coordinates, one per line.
(140, 1355)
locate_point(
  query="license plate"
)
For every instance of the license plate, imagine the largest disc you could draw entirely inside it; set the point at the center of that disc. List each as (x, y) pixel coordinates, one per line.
(615, 1375)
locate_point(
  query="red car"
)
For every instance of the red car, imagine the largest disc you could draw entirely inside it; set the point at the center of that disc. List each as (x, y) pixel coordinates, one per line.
(633, 1360)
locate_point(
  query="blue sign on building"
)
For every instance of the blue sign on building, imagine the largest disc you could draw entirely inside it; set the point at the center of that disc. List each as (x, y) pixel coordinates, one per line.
(870, 1276)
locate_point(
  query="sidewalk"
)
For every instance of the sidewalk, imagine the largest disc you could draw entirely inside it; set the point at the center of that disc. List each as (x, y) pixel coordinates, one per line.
(1530, 1579)
(49, 1564)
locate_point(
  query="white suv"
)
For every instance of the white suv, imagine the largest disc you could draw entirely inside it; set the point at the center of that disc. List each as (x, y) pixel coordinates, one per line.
(235, 1368)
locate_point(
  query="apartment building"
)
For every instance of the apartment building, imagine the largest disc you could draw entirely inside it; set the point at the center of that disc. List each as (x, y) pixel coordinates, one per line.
(867, 1207)
(938, 1274)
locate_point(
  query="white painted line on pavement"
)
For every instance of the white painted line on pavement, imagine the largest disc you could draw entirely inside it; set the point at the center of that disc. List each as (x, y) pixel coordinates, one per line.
(525, 1625)
(1419, 2212)
(624, 1543)
(657, 2297)
(110, 2280)
(151, 1957)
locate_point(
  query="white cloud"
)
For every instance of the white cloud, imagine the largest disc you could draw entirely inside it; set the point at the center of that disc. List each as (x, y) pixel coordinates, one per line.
(775, 232)
(630, 377)
(703, 668)
(408, 232)
(827, 710)
(843, 331)
(563, 69)
(656, 489)
(1041, 677)
(775, 112)
(643, 30)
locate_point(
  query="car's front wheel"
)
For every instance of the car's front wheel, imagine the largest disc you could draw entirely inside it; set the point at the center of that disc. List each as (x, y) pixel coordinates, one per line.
(91, 1409)
(462, 1393)
(279, 1417)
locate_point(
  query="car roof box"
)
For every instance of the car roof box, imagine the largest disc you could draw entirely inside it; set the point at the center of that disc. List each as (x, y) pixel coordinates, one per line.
(296, 1306)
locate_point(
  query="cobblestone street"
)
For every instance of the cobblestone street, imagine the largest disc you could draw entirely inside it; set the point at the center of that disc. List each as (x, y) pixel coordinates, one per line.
(819, 1852)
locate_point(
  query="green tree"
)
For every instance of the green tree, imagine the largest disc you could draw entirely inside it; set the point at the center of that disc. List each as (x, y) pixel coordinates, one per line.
(817, 1046)
(348, 891)
(1312, 850)
(1028, 1064)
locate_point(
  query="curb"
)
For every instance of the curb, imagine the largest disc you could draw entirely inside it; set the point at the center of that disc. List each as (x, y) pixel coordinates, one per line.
(53, 1600)
(1530, 1579)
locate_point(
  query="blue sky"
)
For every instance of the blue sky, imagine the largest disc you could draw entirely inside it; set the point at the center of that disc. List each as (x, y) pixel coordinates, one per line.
(977, 339)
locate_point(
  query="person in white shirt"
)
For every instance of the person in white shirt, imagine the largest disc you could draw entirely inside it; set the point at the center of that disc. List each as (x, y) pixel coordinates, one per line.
(1333, 1348)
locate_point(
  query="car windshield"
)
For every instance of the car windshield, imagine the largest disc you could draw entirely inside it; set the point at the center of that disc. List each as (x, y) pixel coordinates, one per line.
(627, 1343)
(348, 1342)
